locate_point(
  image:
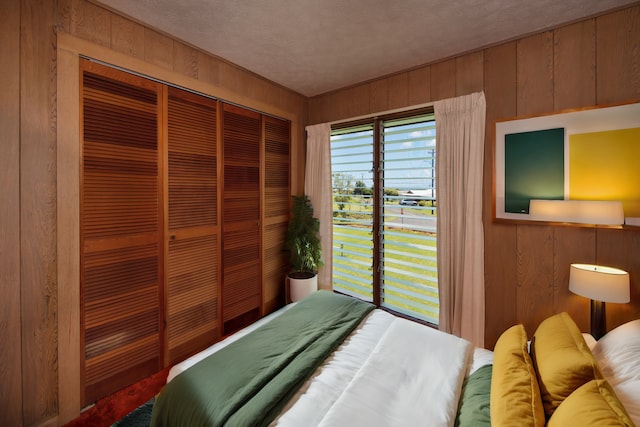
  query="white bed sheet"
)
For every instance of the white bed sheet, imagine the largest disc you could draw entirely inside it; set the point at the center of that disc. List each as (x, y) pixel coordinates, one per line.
(414, 374)
(322, 399)
(187, 363)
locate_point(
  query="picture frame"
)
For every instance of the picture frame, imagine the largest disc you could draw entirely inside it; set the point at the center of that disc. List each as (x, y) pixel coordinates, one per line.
(586, 154)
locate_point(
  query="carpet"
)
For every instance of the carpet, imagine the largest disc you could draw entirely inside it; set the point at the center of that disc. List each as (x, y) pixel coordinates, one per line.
(139, 417)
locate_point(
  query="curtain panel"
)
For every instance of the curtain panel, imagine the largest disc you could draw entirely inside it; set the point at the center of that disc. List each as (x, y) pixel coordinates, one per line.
(317, 186)
(460, 126)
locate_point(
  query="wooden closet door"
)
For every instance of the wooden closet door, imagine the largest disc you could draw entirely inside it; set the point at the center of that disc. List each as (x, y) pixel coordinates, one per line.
(193, 232)
(241, 257)
(121, 233)
(277, 194)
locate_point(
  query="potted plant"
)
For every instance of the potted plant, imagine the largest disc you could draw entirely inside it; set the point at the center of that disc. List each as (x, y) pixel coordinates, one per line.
(305, 251)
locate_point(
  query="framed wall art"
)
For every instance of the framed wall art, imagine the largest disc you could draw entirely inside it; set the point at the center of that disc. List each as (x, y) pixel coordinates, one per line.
(589, 154)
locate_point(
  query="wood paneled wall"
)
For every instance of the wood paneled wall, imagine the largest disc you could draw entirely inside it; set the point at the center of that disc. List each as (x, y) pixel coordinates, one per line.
(28, 324)
(39, 160)
(592, 62)
(10, 351)
(596, 61)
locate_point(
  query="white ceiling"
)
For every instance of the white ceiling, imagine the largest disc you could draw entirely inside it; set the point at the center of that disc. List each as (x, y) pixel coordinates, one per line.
(316, 46)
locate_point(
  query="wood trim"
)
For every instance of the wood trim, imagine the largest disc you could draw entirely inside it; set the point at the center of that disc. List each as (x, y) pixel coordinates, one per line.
(378, 219)
(68, 196)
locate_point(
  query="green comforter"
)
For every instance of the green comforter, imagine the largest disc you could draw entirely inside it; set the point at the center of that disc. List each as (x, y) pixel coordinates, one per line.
(248, 382)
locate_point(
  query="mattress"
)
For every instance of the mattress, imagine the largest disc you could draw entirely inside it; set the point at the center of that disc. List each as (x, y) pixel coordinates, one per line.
(367, 380)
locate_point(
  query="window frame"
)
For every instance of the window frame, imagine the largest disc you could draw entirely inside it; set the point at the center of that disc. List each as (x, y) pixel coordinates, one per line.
(378, 195)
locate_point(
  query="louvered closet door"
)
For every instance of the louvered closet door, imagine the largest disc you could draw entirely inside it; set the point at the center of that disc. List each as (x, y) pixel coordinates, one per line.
(277, 139)
(193, 234)
(121, 255)
(241, 258)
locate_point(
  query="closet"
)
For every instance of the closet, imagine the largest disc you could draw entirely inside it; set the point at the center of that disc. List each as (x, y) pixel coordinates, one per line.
(184, 207)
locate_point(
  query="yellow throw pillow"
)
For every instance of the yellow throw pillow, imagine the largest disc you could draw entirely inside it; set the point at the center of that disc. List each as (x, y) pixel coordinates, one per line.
(592, 404)
(515, 397)
(562, 360)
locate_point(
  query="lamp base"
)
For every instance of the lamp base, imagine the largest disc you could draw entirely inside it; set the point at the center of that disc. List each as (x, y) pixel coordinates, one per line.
(598, 326)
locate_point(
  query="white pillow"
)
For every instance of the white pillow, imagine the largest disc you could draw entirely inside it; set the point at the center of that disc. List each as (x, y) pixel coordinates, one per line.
(589, 339)
(481, 357)
(618, 355)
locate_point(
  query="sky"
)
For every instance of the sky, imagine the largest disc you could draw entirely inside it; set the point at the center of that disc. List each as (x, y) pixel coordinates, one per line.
(408, 156)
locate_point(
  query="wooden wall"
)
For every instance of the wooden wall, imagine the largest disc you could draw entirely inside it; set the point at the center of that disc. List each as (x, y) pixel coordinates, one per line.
(39, 161)
(27, 223)
(593, 62)
(10, 351)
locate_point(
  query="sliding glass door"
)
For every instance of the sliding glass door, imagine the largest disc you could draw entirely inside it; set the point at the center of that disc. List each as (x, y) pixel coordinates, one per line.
(385, 213)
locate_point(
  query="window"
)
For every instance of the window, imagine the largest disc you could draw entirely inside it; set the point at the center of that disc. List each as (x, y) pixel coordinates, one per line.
(384, 213)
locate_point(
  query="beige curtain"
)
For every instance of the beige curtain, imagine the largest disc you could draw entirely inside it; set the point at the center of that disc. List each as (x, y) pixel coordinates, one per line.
(459, 164)
(317, 186)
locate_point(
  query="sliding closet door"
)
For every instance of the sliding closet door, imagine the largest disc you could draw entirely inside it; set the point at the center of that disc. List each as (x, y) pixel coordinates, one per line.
(277, 194)
(193, 231)
(121, 232)
(241, 257)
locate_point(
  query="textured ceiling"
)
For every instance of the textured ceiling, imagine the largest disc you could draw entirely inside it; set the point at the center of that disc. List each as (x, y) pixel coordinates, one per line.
(316, 46)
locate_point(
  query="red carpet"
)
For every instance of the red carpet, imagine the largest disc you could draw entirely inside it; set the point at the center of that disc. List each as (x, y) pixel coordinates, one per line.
(110, 409)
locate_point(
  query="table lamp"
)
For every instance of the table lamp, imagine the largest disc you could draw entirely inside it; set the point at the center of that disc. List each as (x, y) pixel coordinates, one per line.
(601, 284)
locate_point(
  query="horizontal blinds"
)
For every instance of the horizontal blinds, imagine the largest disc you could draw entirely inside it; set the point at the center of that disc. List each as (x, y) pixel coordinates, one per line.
(404, 243)
(409, 262)
(352, 172)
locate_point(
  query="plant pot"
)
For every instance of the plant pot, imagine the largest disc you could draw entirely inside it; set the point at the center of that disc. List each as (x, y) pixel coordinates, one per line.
(302, 284)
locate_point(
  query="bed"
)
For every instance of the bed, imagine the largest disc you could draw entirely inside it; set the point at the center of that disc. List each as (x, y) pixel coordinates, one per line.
(331, 360)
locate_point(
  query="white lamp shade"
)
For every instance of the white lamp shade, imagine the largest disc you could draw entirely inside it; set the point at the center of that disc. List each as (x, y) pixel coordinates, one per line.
(599, 283)
(577, 211)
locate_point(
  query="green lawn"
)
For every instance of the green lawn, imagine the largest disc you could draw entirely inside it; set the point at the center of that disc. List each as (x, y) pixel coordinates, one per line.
(410, 274)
